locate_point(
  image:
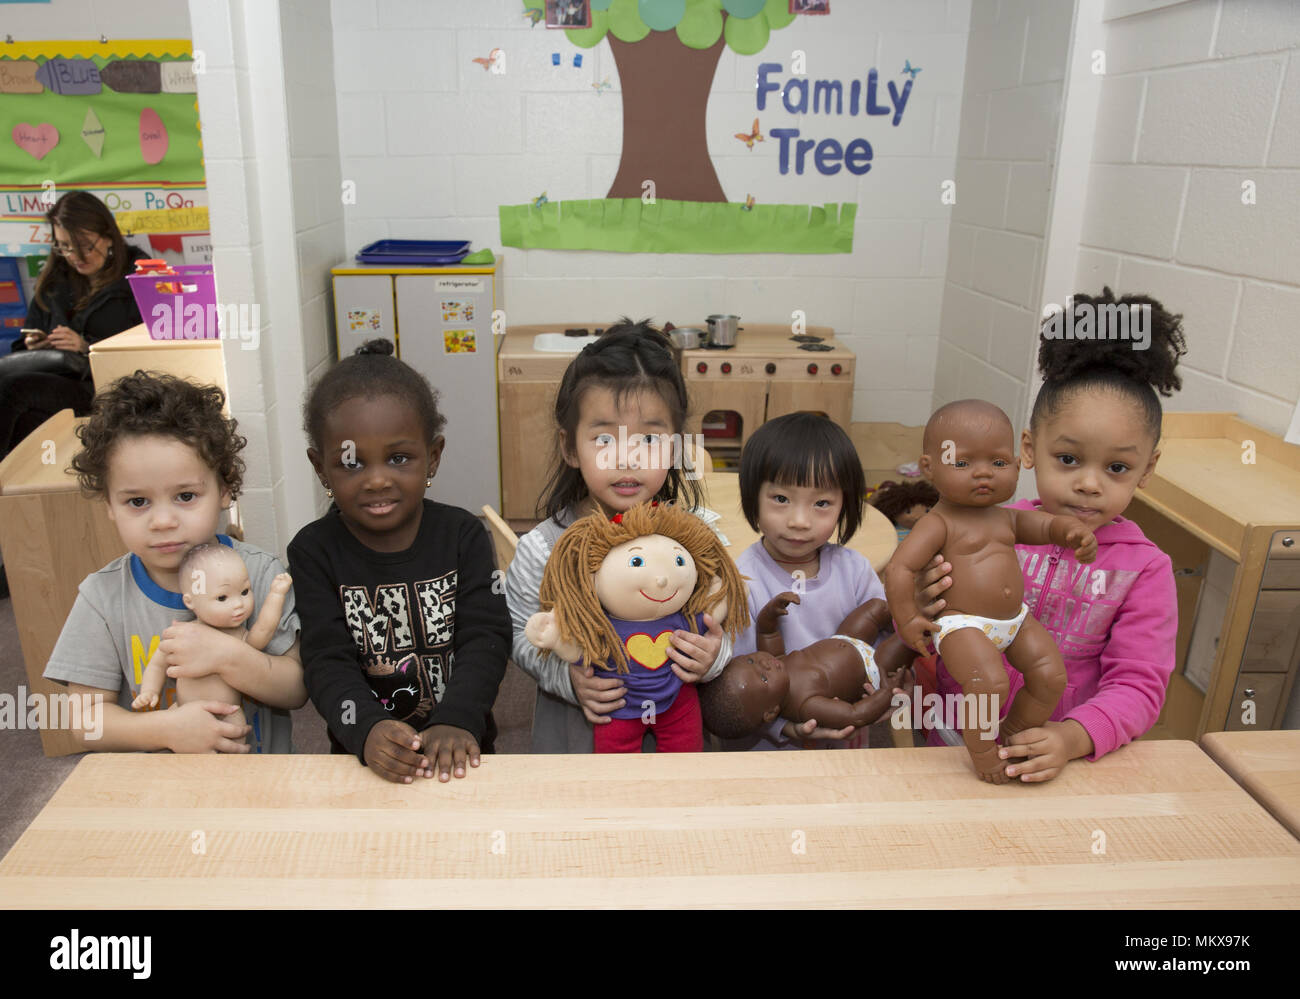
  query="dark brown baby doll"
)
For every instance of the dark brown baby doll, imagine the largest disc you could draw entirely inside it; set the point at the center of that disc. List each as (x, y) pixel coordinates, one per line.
(970, 456)
(904, 503)
(825, 681)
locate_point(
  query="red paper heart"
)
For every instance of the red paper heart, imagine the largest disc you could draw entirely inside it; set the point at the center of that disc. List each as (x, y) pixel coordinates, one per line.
(36, 140)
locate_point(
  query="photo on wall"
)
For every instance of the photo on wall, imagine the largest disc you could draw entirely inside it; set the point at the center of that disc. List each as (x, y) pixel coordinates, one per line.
(568, 14)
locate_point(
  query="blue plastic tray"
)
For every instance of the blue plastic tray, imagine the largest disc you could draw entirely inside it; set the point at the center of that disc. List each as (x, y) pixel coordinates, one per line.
(426, 252)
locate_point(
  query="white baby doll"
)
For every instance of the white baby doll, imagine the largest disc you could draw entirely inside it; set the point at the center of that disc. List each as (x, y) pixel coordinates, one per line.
(218, 591)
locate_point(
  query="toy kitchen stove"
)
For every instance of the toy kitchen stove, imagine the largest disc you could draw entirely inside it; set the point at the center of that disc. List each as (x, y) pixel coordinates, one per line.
(768, 373)
(733, 391)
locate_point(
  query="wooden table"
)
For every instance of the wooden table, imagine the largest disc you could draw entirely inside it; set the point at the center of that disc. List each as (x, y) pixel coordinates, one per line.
(876, 537)
(1267, 764)
(882, 827)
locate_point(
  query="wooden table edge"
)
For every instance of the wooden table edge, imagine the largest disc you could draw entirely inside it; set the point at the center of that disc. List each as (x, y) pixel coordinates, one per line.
(1212, 745)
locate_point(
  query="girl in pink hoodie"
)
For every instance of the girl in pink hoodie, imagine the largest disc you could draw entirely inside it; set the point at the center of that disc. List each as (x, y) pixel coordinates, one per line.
(1092, 441)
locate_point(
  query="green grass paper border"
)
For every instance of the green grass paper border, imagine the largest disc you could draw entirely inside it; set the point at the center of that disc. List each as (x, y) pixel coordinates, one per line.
(628, 225)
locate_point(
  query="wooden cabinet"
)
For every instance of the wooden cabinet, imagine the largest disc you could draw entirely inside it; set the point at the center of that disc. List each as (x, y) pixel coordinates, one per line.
(527, 445)
(115, 356)
(764, 376)
(53, 538)
(835, 400)
(1226, 486)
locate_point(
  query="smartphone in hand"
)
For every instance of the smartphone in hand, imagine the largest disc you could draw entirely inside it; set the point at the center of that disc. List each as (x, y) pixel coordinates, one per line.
(34, 338)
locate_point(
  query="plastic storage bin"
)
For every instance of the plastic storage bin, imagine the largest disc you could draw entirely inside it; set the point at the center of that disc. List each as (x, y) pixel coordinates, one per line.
(188, 299)
(415, 252)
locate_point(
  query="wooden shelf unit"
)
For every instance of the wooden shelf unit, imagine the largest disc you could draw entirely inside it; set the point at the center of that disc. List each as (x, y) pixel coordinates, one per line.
(1227, 486)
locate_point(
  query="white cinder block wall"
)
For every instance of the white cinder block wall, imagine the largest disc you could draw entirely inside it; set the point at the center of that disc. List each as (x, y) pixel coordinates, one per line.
(78, 20)
(308, 45)
(1199, 99)
(435, 143)
(1015, 67)
(268, 67)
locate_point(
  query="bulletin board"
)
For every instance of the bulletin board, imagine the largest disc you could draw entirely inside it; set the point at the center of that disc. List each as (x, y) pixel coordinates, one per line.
(91, 113)
(119, 119)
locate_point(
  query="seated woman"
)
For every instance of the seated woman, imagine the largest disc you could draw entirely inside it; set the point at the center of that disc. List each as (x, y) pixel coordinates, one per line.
(81, 297)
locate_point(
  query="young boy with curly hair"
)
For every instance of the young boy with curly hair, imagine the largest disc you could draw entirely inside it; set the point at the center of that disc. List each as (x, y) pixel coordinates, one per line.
(164, 458)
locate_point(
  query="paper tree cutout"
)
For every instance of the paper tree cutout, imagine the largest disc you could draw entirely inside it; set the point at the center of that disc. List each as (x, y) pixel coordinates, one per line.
(667, 52)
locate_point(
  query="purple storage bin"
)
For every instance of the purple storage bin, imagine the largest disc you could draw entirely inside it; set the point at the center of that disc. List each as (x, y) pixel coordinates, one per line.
(188, 301)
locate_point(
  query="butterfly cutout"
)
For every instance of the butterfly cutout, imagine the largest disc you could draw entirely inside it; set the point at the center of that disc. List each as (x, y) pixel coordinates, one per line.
(752, 137)
(491, 58)
(534, 14)
(909, 69)
(748, 206)
(603, 85)
(540, 200)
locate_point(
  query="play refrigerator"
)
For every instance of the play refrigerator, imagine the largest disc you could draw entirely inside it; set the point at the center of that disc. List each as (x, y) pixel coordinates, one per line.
(440, 319)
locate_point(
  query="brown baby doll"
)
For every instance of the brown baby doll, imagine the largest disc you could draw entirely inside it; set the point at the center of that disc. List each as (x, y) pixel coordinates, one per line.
(219, 593)
(904, 503)
(825, 681)
(971, 457)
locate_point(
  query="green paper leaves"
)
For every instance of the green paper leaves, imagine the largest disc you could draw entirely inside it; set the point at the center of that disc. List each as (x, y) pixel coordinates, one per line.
(627, 225)
(746, 36)
(743, 8)
(661, 15)
(701, 25)
(778, 14)
(698, 23)
(588, 38)
(625, 22)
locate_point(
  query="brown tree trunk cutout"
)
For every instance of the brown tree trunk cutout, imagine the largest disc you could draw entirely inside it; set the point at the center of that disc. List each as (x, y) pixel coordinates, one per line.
(666, 88)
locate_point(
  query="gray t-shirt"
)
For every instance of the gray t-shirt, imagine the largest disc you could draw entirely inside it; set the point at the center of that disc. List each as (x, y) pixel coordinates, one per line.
(117, 622)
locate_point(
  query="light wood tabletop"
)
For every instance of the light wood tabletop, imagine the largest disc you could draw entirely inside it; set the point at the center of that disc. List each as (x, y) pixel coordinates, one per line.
(1267, 764)
(1155, 824)
(876, 537)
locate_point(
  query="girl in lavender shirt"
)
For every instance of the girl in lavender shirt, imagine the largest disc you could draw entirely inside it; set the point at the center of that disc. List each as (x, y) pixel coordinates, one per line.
(801, 483)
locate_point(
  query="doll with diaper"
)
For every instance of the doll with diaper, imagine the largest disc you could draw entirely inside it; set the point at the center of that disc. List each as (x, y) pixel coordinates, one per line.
(971, 457)
(840, 680)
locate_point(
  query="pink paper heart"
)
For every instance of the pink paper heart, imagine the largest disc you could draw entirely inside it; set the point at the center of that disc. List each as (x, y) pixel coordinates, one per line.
(37, 140)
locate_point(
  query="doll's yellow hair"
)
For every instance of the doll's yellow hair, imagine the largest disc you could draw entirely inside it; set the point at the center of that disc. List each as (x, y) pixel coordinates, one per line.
(569, 589)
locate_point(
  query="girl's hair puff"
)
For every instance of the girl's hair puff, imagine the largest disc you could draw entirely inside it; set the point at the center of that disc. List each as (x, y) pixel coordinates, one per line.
(370, 372)
(1070, 366)
(148, 403)
(627, 359)
(568, 582)
(803, 449)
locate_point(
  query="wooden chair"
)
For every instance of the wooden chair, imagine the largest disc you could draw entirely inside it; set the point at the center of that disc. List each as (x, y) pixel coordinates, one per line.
(517, 694)
(504, 540)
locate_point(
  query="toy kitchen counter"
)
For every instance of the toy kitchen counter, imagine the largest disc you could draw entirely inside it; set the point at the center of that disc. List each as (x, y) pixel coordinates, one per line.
(733, 391)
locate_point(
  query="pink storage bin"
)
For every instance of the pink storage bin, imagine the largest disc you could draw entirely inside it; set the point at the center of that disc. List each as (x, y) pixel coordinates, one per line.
(188, 299)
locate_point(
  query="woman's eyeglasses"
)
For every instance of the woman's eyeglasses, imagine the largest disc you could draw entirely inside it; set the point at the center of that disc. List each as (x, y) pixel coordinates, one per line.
(73, 250)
